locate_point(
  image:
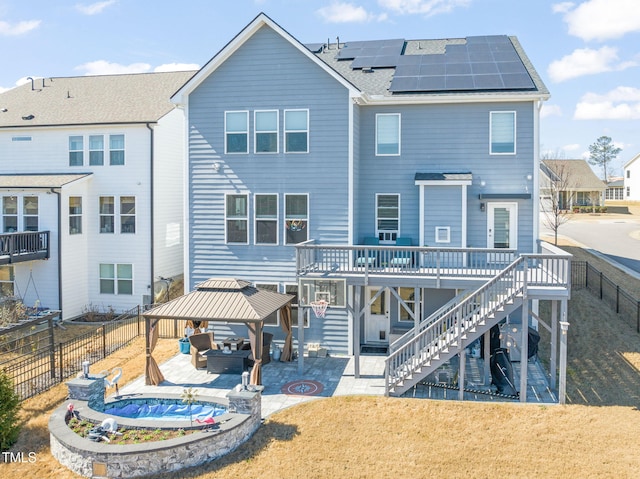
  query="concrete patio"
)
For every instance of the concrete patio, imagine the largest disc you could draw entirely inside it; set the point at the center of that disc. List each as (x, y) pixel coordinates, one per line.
(329, 376)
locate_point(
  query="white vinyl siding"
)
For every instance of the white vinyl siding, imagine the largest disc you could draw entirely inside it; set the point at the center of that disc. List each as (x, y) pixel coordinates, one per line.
(266, 131)
(388, 134)
(503, 132)
(296, 131)
(236, 132)
(266, 219)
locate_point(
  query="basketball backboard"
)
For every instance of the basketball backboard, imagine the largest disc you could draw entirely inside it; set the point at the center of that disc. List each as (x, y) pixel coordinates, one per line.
(334, 291)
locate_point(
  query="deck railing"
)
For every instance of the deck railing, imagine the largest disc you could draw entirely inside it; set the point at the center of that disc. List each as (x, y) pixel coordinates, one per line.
(405, 260)
(24, 246)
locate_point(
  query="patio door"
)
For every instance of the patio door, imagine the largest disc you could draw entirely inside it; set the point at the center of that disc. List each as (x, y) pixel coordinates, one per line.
(376, 320)
(502, 227)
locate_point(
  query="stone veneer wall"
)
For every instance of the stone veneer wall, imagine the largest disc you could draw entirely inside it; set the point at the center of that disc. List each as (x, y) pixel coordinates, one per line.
(91, 459)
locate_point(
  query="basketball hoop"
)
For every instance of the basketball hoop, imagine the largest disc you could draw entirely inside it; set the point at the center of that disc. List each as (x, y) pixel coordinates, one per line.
(319, 307)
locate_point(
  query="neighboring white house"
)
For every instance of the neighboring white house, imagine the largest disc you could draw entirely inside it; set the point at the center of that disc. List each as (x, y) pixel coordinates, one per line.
(94, 166)
(575, 183)
(632, 179)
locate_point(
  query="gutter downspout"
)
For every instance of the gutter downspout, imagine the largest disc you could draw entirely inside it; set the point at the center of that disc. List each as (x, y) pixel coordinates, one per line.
(151, 203)
(53, 190)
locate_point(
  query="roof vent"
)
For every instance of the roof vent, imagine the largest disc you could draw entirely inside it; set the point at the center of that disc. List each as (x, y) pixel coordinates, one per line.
(28, 117)
(367, 70)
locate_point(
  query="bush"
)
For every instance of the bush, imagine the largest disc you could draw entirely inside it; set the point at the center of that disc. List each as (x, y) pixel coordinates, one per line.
(9, 408)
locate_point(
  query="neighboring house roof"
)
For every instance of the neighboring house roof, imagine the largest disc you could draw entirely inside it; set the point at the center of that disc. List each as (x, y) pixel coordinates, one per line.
(616, 184)
(628, 163)
(579, 174)
(398, 70)
(105, 99)
(40, 181)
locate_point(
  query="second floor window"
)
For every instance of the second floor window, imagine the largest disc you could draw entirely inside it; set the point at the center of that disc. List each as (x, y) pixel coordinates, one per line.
(10, 214)
(107, 214)
(75, 215)
(127, 214)
(30, 213)
(266, 131)
(296, 131)
(96, 150)
(387, 134)
(76, 151)
(296, 215)
(116, 150)
(266, 219)
(236, 132)
(503, 132)
(236, 219)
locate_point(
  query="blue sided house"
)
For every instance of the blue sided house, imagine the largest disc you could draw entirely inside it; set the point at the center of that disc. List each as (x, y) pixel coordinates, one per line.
(397, 180)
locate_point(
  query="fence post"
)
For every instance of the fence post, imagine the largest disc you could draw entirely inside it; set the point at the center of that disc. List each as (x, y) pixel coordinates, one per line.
(61, 362)
(104, 340)
(52, 349)
(600, 284)
(138, 321)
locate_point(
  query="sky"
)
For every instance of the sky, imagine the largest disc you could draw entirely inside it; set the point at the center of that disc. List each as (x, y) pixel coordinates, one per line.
(587, 52)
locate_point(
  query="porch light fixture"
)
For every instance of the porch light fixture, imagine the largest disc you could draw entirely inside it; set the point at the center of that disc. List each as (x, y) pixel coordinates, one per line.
(85, 369)
(482, 206)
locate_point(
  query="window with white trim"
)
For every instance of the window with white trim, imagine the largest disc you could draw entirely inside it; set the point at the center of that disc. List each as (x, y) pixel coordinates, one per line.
(9, 214)
(30, 213)
(387, 134)
(387, 217)
(266, 218)
(127, 214)
(274, 318)
(296, 312)
(236, 132)
(6, 281)
(75, 215)
(76, 151)
(296, 216)
(443, 234)
(116, 279)
(408, 296)
(296, 131)
(266, 131)
(107, 214)
(236, 218)
(116, 150)
(503, 132)
(96, 150)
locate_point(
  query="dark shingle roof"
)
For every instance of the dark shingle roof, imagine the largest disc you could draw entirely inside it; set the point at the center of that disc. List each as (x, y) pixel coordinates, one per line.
(135, 98)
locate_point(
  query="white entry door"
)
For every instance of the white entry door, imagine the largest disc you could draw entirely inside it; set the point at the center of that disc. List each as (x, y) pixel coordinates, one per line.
(376, 320)
(502, 226)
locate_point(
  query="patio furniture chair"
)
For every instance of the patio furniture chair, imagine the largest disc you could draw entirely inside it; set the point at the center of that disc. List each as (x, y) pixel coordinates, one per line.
(371, 258)
(402, 258)
(266, 349)
(200, 344)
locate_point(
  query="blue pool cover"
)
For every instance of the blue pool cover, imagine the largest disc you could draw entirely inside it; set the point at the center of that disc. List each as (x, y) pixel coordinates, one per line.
(167, 412)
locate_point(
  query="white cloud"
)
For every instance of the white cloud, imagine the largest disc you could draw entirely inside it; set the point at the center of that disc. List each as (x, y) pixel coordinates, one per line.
(176, 67)
(571, 147)
(622, 103)
(550, 110)
(339, 12)
(102, 67)
(586, 61)
(563, 7)
(20, 28)
(94, 8)
(603, 19)
(426, 7)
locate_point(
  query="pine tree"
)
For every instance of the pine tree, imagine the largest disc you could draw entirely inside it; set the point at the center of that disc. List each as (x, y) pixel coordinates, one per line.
(602, 152)
(9, 408)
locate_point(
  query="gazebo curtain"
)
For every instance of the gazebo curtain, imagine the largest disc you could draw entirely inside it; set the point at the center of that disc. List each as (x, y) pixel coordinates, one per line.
(153, 374)
(285, 324)
(255, 332)
(191, 326)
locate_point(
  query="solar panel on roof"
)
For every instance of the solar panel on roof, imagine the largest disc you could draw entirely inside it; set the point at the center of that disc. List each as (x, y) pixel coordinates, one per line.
(484, 63)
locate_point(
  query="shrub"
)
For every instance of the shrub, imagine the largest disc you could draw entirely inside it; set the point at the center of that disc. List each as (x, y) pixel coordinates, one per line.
(9, 408)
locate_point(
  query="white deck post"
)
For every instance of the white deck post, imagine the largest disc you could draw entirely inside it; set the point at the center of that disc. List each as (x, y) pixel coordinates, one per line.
(564, 326)
(461, 370)
(356, 332)
(486, 337)
(524, 349)
(553, 365)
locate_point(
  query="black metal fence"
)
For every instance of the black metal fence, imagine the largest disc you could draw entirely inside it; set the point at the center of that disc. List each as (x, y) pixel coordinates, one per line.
(584, 275)
(43, 364)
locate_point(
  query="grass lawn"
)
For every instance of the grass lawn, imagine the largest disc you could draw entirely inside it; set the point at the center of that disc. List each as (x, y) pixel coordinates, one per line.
(597, 434)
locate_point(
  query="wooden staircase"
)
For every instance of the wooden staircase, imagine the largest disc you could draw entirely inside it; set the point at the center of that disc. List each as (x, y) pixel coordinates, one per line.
(453, 327)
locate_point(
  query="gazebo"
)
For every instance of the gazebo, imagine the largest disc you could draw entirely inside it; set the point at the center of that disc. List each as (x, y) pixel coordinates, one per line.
(222, 299)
